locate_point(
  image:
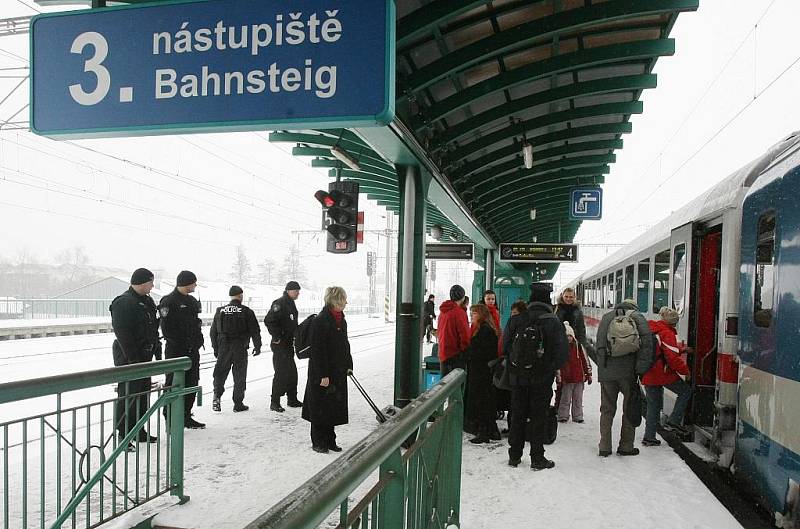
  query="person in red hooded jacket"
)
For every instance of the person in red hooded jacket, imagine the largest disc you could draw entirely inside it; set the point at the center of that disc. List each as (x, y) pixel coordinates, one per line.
(453, 333)
(573, 374)
(666, 372)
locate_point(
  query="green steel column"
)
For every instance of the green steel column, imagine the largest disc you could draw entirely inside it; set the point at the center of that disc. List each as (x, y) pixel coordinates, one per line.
(176, 420)
(410, 284)
(489, 270)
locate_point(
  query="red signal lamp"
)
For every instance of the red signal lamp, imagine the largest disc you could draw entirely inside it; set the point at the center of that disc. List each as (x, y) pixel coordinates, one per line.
(325, 198)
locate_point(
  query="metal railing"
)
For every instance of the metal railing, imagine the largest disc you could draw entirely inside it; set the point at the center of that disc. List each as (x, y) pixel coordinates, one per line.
(38, 309)
(418, 487)
(90, 463)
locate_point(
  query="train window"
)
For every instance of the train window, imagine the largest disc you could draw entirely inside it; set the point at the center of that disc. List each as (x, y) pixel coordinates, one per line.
(629, 282)
(603, 293)
(643, 285)
(679, 279)
(610, 291)
(618, 286)
(660, 280)
(765, 270)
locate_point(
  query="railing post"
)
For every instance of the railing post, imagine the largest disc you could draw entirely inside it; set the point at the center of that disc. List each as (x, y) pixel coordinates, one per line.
(176, 419)
(391, 510)
(453, 448)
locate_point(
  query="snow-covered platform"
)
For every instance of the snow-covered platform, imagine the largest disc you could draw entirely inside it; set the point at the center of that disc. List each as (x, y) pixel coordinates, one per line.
(244, 463)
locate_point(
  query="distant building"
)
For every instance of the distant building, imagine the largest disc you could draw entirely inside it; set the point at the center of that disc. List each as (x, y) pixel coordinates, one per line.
(104, 289)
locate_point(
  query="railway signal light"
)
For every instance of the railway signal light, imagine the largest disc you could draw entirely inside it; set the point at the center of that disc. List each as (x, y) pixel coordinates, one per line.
(341, 206)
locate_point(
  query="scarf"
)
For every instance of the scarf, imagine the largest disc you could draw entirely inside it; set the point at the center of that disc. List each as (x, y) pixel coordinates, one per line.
(338, 315)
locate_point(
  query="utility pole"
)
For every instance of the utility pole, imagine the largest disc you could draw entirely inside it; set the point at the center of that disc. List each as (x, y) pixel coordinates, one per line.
(389, 282)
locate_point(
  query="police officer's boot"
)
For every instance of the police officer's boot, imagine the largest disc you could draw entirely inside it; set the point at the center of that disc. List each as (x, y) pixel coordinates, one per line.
(292, 402)
(240, 406)
(275, 405)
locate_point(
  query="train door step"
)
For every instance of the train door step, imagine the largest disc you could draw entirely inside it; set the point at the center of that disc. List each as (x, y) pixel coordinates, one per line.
(701, 452)
(703, 435)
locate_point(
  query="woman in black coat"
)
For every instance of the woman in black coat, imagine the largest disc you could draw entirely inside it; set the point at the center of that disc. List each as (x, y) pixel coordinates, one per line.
(482, 350)
(325, 402)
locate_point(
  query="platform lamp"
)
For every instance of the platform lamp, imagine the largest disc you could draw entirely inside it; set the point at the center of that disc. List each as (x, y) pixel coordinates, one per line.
(344, 156)
(527, 151)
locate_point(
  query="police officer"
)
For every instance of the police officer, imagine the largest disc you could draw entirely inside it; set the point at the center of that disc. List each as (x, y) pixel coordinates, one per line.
(133, 318)
(532, 389)
(181, 327)
(234, 325)
(281, 321)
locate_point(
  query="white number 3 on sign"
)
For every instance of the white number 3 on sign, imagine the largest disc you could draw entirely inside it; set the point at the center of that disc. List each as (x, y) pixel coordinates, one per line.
(93, 65)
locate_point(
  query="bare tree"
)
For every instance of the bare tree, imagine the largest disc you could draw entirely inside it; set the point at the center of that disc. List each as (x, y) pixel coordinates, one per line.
(267, 268)
(74, 260)
(292, 269)
(241, 266)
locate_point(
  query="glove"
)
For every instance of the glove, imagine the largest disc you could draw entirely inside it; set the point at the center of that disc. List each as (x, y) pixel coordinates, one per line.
(256, 352)
(215, 354)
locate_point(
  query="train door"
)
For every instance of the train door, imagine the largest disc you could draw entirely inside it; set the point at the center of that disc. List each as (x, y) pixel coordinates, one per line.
(704, 361)
(680, 272)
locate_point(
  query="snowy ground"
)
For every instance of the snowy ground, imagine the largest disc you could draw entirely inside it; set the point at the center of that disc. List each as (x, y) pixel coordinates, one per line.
(249, 461)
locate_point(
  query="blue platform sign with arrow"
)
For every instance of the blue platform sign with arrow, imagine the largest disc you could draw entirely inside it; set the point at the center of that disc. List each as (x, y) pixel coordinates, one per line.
(586, 203)
(213, 65)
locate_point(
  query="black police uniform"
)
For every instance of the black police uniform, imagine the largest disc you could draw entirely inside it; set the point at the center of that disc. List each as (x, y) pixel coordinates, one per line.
(281, 322)
(133, 318)
(181, 328)
(531, 392)
(234, 325)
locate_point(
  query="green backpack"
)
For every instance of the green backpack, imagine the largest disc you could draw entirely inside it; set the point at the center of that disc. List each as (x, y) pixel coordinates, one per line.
(623, 334)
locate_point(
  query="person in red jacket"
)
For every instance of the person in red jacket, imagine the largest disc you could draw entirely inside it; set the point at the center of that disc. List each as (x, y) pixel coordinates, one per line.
(574, 373)
(453, 333)
(667, 371)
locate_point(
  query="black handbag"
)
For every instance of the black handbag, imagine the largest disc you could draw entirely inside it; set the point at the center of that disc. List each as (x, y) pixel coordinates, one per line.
(636, 407)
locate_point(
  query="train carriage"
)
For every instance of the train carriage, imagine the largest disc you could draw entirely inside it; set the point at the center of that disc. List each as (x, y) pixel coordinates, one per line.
(728, 263)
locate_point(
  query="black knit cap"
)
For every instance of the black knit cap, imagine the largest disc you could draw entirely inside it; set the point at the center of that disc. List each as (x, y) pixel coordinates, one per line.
(292, 285)
(541, 292)
(186, 278)
(235, 290)
(457, 293)
(141, 276)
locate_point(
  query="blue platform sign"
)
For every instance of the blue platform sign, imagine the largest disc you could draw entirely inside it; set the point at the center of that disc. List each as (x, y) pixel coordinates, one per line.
(586, 203)
(213, 65)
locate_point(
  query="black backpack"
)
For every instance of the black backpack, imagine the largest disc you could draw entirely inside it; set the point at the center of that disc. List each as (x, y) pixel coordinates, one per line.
(527, 348)
(302, 338)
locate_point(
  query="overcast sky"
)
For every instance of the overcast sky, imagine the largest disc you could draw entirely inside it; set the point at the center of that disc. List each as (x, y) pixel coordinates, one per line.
(187, 201)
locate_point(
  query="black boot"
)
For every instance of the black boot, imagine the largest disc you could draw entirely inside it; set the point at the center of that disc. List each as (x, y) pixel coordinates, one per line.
(276, 406)
(292, 402)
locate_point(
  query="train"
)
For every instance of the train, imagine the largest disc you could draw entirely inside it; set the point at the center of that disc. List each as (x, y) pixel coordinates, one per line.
(729, 263)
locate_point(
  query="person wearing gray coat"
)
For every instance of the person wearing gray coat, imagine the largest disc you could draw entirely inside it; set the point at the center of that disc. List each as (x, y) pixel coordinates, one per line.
(618, 374)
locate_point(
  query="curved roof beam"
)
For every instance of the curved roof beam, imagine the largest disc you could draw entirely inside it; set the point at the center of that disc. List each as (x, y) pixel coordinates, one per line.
(366, 168)
(537, 32)
(324, 152)
(607, 109)
(320, 139)
(511, 172)
(562, 93)
(555, 210)
(534, 190)
(422, 21)
(588, 166)
(579, 60)
(464, 171)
